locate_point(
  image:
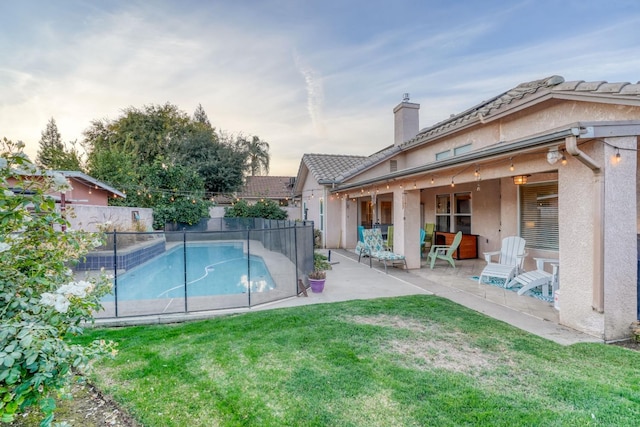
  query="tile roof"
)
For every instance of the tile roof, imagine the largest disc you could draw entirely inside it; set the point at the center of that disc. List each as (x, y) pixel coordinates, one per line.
(326, 167)
(553, 86)
(270, 187)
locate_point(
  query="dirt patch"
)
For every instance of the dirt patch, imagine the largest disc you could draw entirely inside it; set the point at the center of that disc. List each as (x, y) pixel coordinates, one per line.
(88, 408)
(392, 322)
(444, 350)
(630, 344)
(449, 355)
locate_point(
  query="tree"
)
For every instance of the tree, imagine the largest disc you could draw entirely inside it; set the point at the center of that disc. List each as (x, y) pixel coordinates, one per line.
(218, 164)
(146, 133)
(54, 154)
(42, 304)
(257, 154)
(199, 116)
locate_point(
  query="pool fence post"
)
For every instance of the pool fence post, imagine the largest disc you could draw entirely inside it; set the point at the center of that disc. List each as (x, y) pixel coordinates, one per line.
(249, 266)
(115, 271)
(295, 252)
(184, 261)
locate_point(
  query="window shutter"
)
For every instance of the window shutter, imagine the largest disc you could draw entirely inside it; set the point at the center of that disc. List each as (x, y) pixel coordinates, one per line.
(539, 215)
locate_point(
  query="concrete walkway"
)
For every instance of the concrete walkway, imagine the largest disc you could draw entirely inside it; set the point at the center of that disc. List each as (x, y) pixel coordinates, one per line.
(350, 280)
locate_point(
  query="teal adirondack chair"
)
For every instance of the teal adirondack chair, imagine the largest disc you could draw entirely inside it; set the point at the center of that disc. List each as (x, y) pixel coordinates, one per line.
(445, 252)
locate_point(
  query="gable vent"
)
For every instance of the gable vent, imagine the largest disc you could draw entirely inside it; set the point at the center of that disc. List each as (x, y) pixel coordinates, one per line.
(393, 165)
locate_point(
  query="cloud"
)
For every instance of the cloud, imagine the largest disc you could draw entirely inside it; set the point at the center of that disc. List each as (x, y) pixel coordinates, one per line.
(315, 94)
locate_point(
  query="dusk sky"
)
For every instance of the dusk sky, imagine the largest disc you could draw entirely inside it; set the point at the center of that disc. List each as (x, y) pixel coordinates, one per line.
(305, 76)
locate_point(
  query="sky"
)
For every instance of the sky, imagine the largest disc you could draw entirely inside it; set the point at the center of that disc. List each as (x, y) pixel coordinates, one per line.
(306, 76)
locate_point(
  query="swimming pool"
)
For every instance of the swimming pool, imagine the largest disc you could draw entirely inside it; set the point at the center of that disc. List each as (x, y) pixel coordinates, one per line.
(211, 269)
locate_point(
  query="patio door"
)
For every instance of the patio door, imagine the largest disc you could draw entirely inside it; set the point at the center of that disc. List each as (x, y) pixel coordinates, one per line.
(366, 213)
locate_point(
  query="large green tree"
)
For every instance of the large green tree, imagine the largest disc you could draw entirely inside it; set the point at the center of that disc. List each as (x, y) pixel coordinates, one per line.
(53, 153)
(218, 163)
(121, 151)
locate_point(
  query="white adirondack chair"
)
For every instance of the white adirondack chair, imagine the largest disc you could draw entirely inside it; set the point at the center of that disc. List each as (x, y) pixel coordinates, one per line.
(510, 260)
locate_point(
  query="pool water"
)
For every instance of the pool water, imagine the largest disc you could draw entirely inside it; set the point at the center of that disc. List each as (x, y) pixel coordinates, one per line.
(212, 269)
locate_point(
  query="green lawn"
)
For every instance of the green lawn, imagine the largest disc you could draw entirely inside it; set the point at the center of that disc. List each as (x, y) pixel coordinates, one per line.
(409, 361)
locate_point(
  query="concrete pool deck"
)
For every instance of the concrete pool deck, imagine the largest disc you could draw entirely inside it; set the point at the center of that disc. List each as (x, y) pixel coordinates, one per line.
(349, 280)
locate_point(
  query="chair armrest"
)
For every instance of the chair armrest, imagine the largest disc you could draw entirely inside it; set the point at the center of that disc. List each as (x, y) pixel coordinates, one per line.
(488, 255)
(436, 248)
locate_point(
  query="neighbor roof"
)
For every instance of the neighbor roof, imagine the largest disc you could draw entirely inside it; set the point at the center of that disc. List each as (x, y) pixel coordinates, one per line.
(269, 187)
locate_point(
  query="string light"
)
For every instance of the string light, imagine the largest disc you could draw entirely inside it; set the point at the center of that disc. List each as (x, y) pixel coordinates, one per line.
(432, 180)
(617, 158)
(453, 184)
(511, 168)
(563, 159)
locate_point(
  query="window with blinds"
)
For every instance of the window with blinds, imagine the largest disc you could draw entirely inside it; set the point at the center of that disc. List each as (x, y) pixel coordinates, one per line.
(539, 215)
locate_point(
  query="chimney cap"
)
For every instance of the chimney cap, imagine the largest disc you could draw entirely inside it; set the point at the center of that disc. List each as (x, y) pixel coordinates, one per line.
(405, 97)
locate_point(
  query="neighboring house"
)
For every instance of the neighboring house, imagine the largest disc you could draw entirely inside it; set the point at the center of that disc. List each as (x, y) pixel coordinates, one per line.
(314, 183)
(276, 188)
(554, 162)
(86, 190)
(88, 199)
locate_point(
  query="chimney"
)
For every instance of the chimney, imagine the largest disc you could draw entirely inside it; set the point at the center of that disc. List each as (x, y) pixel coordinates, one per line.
(407, 123)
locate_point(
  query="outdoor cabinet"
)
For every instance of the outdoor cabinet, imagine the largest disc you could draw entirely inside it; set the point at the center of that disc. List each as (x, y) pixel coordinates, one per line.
(468, 248)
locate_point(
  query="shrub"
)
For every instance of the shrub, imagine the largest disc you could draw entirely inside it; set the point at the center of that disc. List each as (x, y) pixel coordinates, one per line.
(267, 209)
(41, 303)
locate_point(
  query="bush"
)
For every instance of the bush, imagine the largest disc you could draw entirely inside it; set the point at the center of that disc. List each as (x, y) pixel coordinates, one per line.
(267, 209)
(41, 302)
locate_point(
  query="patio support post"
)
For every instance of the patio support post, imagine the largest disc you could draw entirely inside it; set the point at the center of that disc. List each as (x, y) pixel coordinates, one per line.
(571, 144)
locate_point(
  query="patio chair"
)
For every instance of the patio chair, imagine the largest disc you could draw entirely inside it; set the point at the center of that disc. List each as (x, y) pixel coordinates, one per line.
(389, 243)
(423, 237)
(429, 229)
(445, 252)
(538, 277)
(373, 247)
(510, 259)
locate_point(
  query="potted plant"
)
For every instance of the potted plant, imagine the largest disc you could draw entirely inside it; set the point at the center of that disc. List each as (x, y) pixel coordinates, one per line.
(318, 276)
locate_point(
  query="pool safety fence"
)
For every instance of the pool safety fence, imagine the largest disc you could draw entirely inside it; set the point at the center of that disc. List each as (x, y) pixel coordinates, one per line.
(239, 263)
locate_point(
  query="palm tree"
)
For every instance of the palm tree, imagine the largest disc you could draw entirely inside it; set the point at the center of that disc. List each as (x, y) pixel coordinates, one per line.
(257, 153)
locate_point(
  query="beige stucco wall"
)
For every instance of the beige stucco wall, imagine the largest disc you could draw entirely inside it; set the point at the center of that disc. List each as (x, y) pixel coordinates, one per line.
(587, 268)
(91, 218)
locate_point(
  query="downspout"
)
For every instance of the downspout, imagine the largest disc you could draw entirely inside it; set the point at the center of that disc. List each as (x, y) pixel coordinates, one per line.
(571, 145)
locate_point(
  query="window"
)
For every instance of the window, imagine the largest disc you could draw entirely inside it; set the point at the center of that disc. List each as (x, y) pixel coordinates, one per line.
(462, 213)
(462, 149)
(539, 215)
(460, 217)
(443, 155)
(443, 212)
(321, 215)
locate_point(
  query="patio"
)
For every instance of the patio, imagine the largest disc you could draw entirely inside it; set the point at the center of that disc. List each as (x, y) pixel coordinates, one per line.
(460, 279)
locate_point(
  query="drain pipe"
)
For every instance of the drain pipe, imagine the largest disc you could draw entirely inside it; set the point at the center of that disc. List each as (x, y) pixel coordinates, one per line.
(571, 145)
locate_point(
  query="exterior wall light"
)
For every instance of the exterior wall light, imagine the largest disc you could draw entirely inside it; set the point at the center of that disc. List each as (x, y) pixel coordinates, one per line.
(520, 179)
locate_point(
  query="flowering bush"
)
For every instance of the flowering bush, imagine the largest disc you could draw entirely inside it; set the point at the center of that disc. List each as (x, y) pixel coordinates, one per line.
(41, 303)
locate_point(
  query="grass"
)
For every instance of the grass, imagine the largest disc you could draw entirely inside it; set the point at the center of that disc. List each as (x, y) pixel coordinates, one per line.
(408, 361)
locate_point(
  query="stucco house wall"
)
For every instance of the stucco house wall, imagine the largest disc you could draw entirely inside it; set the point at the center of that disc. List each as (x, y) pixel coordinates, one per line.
(515, 133)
